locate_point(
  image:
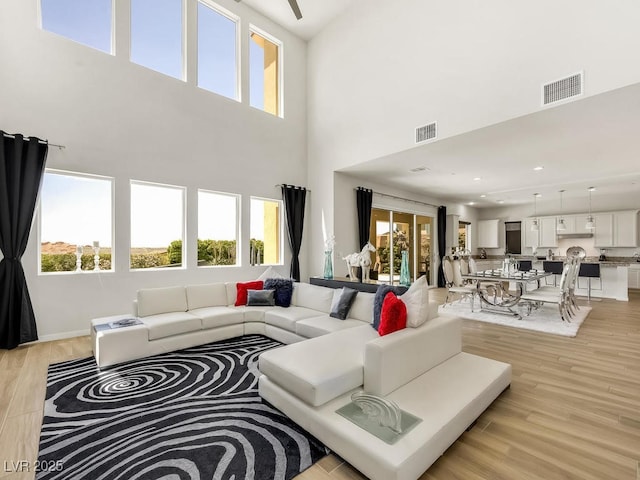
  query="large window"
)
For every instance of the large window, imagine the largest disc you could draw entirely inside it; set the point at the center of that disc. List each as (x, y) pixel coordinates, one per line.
(157, 226)
(217, 51)
(265, 246)
(217, 228)
(75, 222)
(394, 232)
(156, 35)
(264, 72)
(86, 22)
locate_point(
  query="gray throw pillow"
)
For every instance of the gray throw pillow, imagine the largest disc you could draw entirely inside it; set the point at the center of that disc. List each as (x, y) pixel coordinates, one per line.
(260, 298)
(342, 301)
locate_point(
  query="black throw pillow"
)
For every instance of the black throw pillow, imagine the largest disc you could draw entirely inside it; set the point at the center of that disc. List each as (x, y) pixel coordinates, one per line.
(283, 288)
(342, 301)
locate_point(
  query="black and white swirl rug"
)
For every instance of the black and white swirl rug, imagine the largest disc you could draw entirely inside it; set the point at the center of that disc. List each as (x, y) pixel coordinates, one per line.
(191, 414)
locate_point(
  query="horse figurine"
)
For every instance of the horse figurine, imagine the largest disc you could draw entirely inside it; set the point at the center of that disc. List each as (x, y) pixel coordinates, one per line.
(362, 260)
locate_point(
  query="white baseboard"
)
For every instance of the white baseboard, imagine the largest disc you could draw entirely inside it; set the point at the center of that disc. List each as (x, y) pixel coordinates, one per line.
(62, 336)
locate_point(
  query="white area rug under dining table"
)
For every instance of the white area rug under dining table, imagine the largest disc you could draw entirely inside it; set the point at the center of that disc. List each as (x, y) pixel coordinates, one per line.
(544, 319)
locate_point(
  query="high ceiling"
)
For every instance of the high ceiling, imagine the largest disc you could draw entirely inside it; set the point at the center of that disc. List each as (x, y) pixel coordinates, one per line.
(316, 14)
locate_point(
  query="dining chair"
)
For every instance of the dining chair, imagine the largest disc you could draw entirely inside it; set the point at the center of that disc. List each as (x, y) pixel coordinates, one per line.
(557, 295)
(455, 284)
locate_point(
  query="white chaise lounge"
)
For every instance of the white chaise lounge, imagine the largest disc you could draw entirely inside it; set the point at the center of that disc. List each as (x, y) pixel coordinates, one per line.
(422, 369)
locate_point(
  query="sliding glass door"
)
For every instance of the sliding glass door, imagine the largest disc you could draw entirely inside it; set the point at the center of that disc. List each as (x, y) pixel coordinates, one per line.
(394, 232)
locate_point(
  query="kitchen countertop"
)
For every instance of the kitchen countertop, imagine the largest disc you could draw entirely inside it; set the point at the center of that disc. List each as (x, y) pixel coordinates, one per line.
(611, 262)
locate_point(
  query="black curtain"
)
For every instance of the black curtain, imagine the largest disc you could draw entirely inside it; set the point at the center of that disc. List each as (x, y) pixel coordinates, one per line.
(364, 199)
(21, 169)
(294, 201)
(442, 237)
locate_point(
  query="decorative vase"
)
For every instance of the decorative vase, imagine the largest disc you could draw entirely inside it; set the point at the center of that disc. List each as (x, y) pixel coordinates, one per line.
(328, 265)
(405, 280)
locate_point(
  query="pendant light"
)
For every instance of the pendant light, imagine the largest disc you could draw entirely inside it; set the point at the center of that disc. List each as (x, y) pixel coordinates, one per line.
(561, 227)
(590, 223)
(534, 226)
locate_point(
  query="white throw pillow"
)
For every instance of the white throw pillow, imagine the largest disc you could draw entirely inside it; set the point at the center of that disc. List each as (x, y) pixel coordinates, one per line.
(417, 301)
(269, 273)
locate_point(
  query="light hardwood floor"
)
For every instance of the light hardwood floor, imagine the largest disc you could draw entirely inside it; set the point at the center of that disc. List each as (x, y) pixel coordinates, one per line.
(573, 410)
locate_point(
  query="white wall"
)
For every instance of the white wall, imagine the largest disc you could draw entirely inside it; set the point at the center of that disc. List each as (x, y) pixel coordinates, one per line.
(383, 68)
(125, 121)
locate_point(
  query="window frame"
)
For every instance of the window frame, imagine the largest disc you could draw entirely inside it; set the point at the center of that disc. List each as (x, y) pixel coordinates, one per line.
(280, 45)
(238, 198)
(69, 173)
(183, 190)
(281, 232)
(112, 40)
(238, 44)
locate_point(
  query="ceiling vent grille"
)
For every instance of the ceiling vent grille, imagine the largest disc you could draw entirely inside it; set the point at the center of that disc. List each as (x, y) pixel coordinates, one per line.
(562, 89)
(426, 132)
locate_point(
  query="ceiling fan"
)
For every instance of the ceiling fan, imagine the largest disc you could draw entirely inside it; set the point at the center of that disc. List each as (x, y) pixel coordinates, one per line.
(294, 7)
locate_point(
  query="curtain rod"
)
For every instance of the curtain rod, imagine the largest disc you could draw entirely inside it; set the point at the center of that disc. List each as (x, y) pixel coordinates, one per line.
(402, 198)
(39, 140)
(278, 185)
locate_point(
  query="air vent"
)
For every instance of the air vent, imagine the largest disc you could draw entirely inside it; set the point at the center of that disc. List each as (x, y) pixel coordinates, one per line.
(562, 89)
(427, 132)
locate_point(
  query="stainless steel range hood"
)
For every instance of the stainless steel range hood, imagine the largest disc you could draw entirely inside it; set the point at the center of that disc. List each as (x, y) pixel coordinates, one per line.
(575, 235)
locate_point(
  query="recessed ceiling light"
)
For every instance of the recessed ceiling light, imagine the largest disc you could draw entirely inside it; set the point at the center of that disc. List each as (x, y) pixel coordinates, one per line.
(477, 179)
(418, 169)
(500, 201)
(471, 203)
(483, 196)
(537, 169)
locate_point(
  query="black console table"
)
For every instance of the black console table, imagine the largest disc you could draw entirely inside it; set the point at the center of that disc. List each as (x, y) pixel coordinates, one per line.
(344, 282)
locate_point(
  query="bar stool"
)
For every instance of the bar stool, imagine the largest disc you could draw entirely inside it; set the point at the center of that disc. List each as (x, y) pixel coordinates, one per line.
(525, 265)
(589, 270)
(554, 267)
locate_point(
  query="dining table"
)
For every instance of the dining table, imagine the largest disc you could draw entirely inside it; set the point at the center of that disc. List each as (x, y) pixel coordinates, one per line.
(501, 290)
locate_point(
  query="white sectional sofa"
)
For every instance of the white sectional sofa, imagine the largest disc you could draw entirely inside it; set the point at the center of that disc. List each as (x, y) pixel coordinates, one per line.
(325, 361)
(180, 317)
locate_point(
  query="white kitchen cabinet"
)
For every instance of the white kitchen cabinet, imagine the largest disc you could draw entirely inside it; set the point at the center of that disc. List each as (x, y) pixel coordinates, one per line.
(544, 237)
(488, 234)
(569, 224)
(575, 224)
(625, 229)
(603, 233)
(548, 236)
(634, 275)
(581, 224)
(531, 238)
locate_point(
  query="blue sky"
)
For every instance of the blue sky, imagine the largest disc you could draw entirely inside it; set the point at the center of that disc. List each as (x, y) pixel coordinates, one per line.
(157, 40)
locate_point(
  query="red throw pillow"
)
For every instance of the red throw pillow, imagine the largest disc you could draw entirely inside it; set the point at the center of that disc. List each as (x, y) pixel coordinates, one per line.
(393, 316)
(242, 288)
